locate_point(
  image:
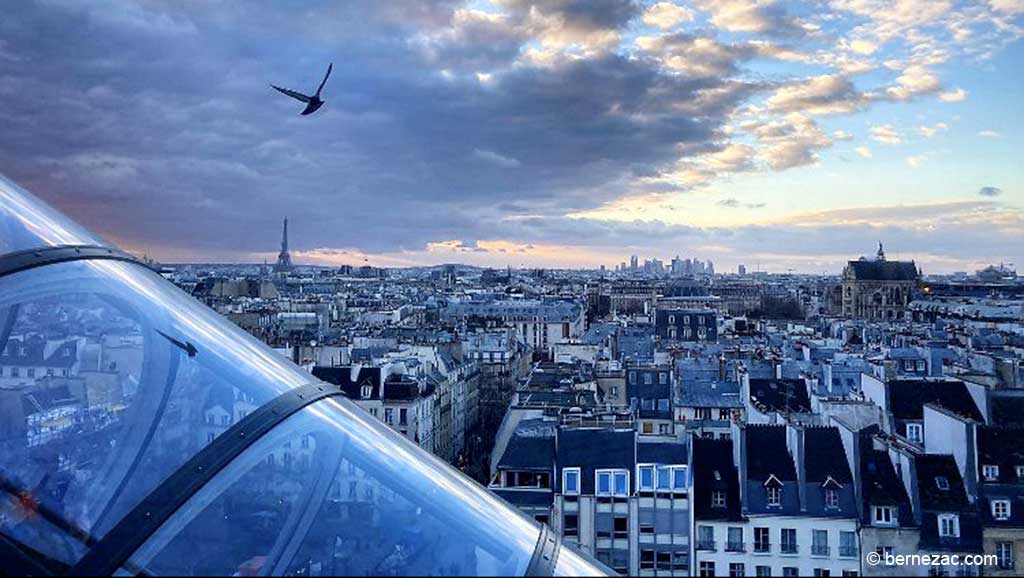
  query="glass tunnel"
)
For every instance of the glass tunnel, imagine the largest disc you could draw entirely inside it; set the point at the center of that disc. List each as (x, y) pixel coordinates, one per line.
(143, 434)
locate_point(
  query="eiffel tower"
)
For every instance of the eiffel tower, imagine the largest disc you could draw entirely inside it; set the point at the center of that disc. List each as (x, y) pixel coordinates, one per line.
(284, 259)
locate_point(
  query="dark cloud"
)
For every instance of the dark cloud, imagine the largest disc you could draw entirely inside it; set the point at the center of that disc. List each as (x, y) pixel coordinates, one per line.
(736, 204)
(159, 128)
(990, 191)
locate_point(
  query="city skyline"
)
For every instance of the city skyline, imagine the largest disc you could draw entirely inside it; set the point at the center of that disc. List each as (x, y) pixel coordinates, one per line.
(550, 134)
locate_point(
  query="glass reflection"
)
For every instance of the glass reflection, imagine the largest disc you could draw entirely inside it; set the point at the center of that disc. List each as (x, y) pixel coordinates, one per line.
(99, 401)
(333, 492)
(28, 223)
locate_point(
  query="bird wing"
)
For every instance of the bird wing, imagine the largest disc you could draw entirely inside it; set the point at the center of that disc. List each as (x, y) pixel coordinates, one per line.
(330, 67)
(291, 93)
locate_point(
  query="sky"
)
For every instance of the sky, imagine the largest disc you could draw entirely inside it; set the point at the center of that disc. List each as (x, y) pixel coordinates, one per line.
(551, 133)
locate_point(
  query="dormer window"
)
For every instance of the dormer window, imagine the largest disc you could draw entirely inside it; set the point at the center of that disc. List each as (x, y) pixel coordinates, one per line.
(571, 481)
(717, 499)
(1020, 473)
(949, 525)
(942, 483)
(914, 432)
(883, 516)
(990, 472)
(774, 496)
(1000, 509)
(831, 498)
(366, 392)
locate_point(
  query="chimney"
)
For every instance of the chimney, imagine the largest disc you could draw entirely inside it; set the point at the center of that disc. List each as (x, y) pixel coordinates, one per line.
(738, 433)
(744, 379)
(826, 368)
(795, 445)
(721, 367)
(778, 367)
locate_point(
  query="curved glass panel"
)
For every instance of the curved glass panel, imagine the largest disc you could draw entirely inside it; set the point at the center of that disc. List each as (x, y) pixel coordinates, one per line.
(28, 223)
(332, 491)
(111, 379)
(571, 563)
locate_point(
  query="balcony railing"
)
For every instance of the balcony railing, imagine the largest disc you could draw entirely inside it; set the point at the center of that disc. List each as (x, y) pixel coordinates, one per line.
(762, 547)
(735, 547)
(706, 545)
(848, 551)
(789, 548)
(819, 550)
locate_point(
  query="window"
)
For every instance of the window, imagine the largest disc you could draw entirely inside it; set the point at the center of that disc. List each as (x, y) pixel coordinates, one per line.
(707, 568)
(612, 483)
(663, 378)
(571, 481)
(647, 559)
(705, 537)
(884, 516)
(389, 415)
(831, 498)
(949, 526)
(702, 413)
(819, 543)
(645, 478)
(1004, 555)
(762, 540)
(990, 472)
(1020, 473)
(774, 496)
(942, 483)
(717, 499)
(571, 526)
(403, 416)
(735, 540)
(648, 379)
(914, 432)
(31, 372)
(763, 570)
(790, 571)
(788, 541)
(367, 391)
(664, 478)
(679, 478)
(737, 569)
(620, 528)
(847, 544)
(1001, 509)
(822, 572)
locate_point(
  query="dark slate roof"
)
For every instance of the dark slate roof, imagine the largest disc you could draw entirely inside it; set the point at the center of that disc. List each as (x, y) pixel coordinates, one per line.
(594, 449)
(780, 395)
(884, 270)
(1007, 410)
(824, 456)
(526, 498)
(767, 453)
(1003, 447)
(664, 453)
(932, 466)
(342, 377)
(880, 486)
(711, 457)
(529, 449)
(907, 398)
(63, 356)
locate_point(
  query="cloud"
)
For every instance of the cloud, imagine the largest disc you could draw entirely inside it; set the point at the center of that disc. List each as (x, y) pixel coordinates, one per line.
(930, 131)
(841, 135)
(819, 95)
(666, 15)
(955, 95)
(989, 133)
(886, 134)
(863, 151)
(916, 160)
(990, 191)
(765, 17)
(497, 159)
(732, 203)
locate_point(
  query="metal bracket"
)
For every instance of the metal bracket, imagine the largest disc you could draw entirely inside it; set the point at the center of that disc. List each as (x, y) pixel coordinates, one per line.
(32, 258)
(115, 549)
(545, 555)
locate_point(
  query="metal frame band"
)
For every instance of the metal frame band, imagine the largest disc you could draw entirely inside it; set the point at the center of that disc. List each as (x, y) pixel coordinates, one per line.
(115, 548)
(32, 258)
(545, 555)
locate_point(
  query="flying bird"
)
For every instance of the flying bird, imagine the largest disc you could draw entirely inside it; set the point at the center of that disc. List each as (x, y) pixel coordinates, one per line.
(312, 102)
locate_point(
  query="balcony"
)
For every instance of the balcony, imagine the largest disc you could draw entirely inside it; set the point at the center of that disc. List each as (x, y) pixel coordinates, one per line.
(735, 547)
(789, 548)
(762, 547)
(706, 545)
(819, 550)
(848, 552)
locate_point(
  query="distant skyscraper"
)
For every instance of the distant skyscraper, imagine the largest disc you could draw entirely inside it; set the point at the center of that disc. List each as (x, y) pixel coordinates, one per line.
(634, 263)
(741, 270)
(284, 258)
